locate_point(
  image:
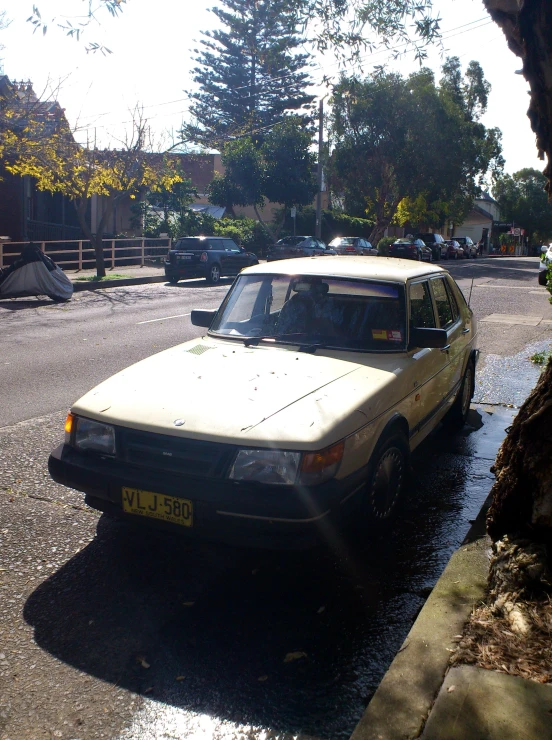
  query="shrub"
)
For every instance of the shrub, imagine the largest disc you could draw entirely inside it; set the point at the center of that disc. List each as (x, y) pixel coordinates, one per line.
(383, 245)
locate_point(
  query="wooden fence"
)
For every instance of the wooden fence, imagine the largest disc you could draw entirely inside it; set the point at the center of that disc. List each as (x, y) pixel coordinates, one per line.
(78, 254)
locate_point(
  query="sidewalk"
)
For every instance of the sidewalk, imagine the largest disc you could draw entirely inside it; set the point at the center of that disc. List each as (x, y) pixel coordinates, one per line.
(136, 276)
(421, 696)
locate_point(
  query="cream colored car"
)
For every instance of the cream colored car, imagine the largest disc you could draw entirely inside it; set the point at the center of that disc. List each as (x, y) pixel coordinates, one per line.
(296, 411)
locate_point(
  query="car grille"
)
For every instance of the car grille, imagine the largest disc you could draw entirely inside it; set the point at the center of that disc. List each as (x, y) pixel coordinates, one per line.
(174, 454)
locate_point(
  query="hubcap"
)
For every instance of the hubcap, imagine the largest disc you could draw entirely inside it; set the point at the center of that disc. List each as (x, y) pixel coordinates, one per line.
(214, 273)
(386, 483)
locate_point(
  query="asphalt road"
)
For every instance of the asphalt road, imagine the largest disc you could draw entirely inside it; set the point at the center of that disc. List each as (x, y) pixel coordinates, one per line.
(104, 634)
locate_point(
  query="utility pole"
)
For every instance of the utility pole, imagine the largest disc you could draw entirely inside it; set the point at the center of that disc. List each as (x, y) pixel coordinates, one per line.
(318, 227)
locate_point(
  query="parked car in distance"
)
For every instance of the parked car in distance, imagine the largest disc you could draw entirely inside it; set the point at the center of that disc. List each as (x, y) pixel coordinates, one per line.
(332, 372)
(545, 264)
(211, 257)
(470, 249)
(353, 245)
(451, 249)
(410, 248)
(297, 246)
(434, 241)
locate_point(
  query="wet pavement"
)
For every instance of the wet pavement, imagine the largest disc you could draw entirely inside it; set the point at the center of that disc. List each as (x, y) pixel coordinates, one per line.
(108, 634)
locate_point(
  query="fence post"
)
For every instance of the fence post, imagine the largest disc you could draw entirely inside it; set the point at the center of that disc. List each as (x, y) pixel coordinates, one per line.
(112, 254)
(143, 251)
(43, 247)
(80, 254)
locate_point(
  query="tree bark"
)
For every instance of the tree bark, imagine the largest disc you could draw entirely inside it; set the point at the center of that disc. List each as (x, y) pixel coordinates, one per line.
(522, 493)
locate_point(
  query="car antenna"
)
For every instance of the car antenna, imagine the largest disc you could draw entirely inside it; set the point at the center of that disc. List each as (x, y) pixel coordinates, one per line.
(471, 288)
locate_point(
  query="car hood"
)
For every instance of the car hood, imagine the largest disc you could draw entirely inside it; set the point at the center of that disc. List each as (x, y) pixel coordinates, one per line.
(225, 392)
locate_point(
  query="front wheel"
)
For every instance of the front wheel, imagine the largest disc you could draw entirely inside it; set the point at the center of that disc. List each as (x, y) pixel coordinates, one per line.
(456, 417)
(214, 274)
(386, 478)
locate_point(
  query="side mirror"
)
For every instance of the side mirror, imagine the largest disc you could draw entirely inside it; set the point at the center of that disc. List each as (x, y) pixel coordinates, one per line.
(203, 316)
(433, 338)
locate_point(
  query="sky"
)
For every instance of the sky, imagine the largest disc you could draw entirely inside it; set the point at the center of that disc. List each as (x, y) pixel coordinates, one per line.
(153, 43)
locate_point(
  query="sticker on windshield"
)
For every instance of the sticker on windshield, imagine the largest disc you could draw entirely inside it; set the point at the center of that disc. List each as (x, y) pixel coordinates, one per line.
(388, 335)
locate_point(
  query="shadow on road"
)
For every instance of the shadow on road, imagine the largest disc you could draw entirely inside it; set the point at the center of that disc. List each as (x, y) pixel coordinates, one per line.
(207, 628)
(519, 270)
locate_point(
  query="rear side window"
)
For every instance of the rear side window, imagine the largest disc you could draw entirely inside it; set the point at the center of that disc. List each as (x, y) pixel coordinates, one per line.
(421, 307)
(445, 311)
(231, 245)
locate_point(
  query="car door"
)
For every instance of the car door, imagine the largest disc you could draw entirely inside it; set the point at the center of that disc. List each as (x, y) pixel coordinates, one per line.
(450, 319)
(231, 257)
(426, 367)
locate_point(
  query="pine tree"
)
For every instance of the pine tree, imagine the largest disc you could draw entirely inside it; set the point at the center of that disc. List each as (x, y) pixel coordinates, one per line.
(250, 71)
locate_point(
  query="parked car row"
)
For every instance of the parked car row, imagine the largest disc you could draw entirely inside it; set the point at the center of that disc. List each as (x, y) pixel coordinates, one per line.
(213, 257)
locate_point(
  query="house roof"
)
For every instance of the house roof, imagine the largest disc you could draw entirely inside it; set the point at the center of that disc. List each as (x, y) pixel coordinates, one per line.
(483, 212)
(486, 196)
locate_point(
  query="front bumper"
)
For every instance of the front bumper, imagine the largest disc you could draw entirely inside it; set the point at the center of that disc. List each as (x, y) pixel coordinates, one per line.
(238, 513)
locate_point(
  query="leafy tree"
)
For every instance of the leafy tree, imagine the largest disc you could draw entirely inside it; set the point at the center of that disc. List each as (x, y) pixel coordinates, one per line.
(405, 150)
(523, 200)
(280, 170)
(58, 164)
(160, 211)
(250, 71)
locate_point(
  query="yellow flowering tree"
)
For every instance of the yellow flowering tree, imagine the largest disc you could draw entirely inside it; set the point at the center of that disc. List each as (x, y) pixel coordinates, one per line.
(48, 153)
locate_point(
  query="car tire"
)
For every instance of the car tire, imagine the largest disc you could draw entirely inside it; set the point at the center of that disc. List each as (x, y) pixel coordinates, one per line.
(388, 468)
(419, 257)
(173, 280)
(214, 274)
(543, 277)
(458, 413)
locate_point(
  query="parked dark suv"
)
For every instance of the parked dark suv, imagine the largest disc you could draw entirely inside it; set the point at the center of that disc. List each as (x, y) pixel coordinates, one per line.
(211, 257)
(434, 242)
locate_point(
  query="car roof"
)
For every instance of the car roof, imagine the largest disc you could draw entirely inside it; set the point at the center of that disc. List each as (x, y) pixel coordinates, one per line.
(376, 268)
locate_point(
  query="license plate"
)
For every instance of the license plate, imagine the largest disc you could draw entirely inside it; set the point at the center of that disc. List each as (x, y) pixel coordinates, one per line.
(158, 506)
(185, 257)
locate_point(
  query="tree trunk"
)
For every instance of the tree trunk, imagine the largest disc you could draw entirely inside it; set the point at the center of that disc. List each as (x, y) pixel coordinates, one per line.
(264, 225)
(96, 240)
(522, 493)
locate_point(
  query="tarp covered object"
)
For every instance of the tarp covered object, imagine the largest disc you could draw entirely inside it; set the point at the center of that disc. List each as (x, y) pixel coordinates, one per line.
(33, 273)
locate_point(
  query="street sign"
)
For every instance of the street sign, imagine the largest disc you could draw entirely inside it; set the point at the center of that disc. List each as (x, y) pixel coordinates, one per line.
(293, 212)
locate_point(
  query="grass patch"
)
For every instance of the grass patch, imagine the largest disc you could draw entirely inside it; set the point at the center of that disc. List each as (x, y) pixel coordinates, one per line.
(542, 358)
(96, 279)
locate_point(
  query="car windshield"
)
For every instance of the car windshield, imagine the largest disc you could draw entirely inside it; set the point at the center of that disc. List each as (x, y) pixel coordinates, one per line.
(290, 240)
(193, 244)
(342, 241)
(340, 313)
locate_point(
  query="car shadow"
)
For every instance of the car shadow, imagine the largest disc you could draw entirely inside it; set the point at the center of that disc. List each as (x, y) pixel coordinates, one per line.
(199, 283)
(277, 640)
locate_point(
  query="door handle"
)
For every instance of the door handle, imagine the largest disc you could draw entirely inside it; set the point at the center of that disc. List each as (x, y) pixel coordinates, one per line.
(445, 348)
(465, 331)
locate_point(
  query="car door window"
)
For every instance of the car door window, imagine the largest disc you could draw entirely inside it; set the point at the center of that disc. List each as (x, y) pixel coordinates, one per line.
(453, 303)
(421, 306)
(230, 245)
(443, 304)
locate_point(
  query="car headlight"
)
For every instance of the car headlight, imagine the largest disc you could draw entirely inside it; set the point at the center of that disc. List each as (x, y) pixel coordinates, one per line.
(93, 435)
(286, 468)
(266, 466)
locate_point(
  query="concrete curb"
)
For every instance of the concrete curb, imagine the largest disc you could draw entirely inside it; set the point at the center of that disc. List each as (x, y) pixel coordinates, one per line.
(405, 696)
(98, 284)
